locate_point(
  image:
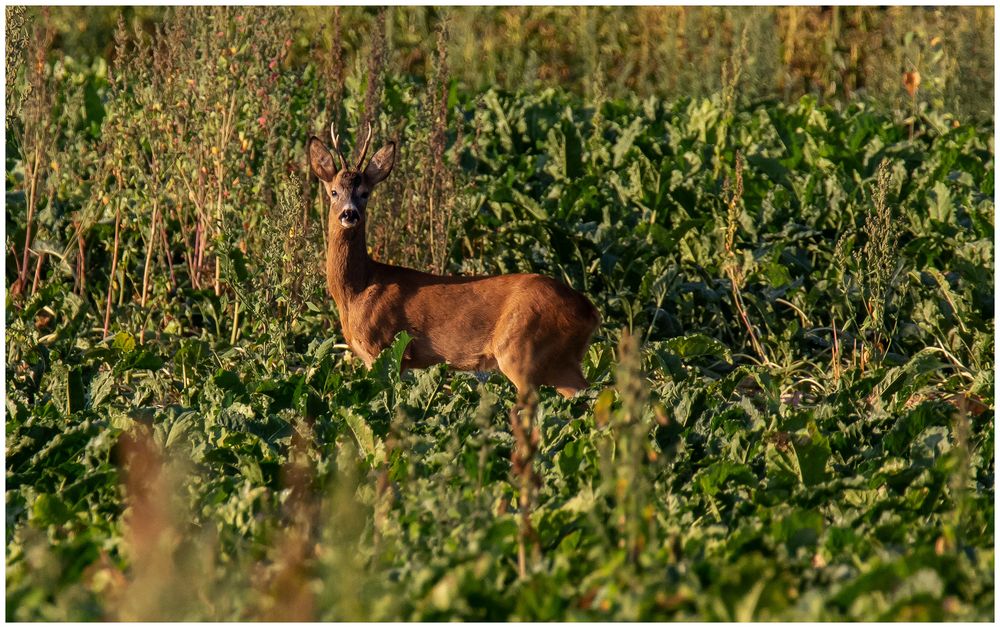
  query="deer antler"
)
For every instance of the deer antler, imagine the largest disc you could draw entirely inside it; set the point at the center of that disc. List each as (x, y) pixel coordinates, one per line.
(336, 147)
(364, 148)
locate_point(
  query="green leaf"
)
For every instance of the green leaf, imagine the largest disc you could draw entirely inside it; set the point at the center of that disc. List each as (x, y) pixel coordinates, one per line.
(102, 386)
(897, 440)
(939, 203)
(192, 351)
(75, 393)
(698, 345)
(239, 262)
(723, 474)
(812, 451)
(138, 360)
(530, 204)
(387, 365)
(228, 380)
(124, 342)
(564, 146)
(179, 427)
(800, 528)
(626, 140)
(370, 445)
(908, 378)
(324, 348)
(50, 510)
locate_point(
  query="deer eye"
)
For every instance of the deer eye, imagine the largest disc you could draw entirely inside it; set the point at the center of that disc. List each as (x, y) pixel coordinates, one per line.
(364, 195)
(333, 194)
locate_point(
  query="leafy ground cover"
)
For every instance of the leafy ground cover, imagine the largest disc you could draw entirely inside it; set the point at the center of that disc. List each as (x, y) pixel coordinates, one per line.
(791, 414)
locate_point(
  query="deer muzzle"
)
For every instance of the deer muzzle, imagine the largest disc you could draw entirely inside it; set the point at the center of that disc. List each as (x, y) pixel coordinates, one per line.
(350, 218)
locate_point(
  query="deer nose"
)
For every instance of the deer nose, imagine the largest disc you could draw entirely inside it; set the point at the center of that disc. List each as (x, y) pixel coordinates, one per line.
(349, 217)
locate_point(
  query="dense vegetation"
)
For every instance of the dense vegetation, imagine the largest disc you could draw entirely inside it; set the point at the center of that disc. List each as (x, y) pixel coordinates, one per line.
(791, 414)
(832, 52)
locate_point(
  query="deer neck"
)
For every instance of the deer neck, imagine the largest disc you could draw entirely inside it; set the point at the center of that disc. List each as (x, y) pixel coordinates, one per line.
(347, 263)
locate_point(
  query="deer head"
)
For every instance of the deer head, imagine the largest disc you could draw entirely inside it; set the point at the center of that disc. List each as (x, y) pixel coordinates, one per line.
(348, 189)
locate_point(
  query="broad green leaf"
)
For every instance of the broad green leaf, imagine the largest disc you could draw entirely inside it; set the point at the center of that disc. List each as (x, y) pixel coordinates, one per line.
(697, 345)
(799, 528)
(124, 342)
(387, 365)
(626, 141)
(370, 445)
(812, 450)
(724, 474)
(101, 386)
(50, 510)
(530, 204)
(939, 203)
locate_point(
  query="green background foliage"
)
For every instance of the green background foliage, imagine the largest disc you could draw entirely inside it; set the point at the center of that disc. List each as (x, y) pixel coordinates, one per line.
(832, 52)
(792, 400)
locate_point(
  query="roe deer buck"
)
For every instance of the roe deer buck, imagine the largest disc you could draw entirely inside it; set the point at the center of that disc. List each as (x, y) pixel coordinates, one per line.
(534, 329)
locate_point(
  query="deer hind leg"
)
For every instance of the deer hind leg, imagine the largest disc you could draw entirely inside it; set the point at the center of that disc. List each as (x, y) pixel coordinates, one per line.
(530, 357)
(511, 364)
(570, 382)
(541, 363)
(567, 379)
(563, 371)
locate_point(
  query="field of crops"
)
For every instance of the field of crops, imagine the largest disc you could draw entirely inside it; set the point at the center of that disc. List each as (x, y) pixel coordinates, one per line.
(792, 405)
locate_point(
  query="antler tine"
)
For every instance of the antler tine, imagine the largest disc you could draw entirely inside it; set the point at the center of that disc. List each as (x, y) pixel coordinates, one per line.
(364, 148)
(336, 147)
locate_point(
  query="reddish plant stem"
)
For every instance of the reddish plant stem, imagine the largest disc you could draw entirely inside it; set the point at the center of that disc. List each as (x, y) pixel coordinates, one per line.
(17, 263)
(189, 259)
(166, 253)
(187, 247)
(38, 272)
(199, 245)
(836, 353)
(114, 268)
(81, 262)
(738, 301)
(32, 193)
(150, 245)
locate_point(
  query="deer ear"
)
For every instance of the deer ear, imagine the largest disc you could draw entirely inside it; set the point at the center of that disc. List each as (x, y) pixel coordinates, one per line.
(381, 164)
(320, 160)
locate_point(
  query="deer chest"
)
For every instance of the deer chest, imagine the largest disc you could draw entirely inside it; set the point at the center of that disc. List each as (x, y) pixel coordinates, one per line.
(368, 331)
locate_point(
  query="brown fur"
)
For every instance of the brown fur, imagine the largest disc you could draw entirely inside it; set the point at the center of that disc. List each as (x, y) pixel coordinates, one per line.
(532, 328)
